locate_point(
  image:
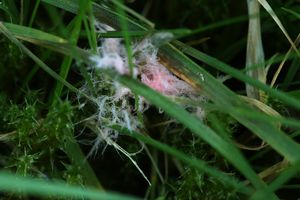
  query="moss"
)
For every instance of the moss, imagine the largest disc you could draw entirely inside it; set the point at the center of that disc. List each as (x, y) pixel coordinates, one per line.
(195, 185)
(36, 144)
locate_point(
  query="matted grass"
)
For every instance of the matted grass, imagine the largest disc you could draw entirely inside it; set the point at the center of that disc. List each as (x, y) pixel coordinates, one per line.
(55, 123)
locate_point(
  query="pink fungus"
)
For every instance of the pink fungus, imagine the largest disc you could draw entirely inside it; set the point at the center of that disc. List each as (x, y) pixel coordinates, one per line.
(162, 80)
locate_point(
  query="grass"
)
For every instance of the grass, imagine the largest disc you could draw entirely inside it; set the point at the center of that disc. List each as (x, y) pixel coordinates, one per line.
(58, 116)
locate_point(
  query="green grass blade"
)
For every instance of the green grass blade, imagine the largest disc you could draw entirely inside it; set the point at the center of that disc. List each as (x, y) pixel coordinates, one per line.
(295, 93)
(43, 188)
(77, 157)
(237, 74)
(287, 55)
(66, 64)
(268, 8)
(102, 13)
(290, 75)
(30, 34)
(89, 25)
(292, 12)
(68, 5)
(53, 13)
(285, 175)
(277, 120)
(24, 11)
(47, 40)
(142, 33)
(35, 8)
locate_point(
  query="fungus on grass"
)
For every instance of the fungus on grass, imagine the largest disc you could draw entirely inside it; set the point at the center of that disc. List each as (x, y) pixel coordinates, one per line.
(114, 101)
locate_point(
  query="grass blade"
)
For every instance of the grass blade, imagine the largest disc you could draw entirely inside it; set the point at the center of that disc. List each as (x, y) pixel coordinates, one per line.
(13, 183)
(31, 35)
(102, 13)
(283, 61)
(268, 8)
(292, 12)
(255, 53)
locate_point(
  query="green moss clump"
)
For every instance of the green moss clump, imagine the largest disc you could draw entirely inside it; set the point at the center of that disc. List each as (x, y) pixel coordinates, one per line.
(194, 185)
(36, 145)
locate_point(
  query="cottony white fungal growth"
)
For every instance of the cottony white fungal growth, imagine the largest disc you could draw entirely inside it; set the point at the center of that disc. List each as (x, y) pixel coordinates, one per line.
(114, 101)
(111, 54)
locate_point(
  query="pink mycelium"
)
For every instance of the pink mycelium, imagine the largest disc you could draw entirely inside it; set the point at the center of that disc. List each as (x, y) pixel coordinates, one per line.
(155, 75)
(162, 80)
